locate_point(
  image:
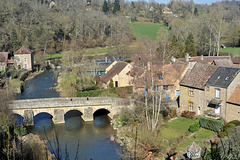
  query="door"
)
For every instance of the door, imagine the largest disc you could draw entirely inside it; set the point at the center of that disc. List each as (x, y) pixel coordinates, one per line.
(199, 110)
(217, 109)
(116, 83)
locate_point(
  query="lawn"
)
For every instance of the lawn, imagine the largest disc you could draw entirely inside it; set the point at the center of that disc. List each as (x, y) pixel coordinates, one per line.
(176, 128)
(141, 29)
(200, 137)
(53, 56)
(234, 51)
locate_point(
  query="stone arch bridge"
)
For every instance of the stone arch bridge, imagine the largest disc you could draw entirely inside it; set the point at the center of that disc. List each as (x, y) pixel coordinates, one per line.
(58, 107)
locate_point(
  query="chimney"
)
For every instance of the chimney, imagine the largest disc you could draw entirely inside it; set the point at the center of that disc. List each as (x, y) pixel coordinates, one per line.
(173, 60)
(202, 57)
(106, 59)
(187, 57)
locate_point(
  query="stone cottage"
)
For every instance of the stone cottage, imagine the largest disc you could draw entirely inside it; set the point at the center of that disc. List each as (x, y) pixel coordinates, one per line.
(219, 88)
(233, 105)
(24, 58)
(192, 95)
(118, 73)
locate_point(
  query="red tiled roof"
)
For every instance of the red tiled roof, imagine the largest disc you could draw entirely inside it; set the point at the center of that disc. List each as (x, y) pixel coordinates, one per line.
(236, 60)
(206, 59)
(3, 56)
(116, 69)
(223, 62)
(23, 50)
(235, 98)
(198, 76)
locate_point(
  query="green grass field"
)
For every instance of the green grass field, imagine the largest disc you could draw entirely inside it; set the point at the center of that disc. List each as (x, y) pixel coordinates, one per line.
(53, 56)
(200, 137)
(141, 29)
(234, 51)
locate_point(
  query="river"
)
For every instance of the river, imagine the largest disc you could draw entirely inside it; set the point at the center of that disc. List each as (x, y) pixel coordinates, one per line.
(93, 137)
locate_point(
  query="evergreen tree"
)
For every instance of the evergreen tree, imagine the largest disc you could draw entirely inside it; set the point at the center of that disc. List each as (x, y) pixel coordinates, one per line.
(105, 7)
(15, 44)
(116, 7)
(190, 45)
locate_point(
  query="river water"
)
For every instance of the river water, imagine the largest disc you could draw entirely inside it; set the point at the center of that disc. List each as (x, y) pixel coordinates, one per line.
(91, 140)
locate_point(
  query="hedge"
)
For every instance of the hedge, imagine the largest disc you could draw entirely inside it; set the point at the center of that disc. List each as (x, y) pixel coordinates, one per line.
(211, 124)
(236, 122)
(195, 126)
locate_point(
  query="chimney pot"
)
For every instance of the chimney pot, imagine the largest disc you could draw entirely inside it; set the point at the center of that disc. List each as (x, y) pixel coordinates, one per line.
(187, 57)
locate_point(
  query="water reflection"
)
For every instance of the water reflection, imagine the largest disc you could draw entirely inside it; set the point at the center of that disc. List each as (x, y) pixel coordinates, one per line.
(93, 137)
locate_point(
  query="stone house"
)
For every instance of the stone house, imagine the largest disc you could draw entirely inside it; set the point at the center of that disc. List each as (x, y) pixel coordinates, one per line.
(3, 60)
(24, 58)
(236, 61)
(223, 63)
(192, 86)
(218, 90)
(169, 80)
(118, 73)
(233, 105)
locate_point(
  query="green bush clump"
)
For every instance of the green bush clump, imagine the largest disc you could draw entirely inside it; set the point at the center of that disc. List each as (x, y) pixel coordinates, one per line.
(236, 122)
(164, 112)
(211, 124)
(228, 126)
(20, 131)
(195, 126)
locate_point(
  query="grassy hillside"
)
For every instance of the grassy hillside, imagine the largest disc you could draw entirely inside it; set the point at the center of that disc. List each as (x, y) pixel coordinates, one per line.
(234, 51)
(141, 29)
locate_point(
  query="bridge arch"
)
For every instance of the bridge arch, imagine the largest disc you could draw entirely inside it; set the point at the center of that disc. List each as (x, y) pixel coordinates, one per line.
(100, 112)
(18, 119)
(72, 113)
(42, 116)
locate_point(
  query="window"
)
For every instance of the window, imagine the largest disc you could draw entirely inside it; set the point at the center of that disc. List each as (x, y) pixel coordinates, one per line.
(217, 93)
(191, 106)
(190, 92)
(177, 93)
(146, 91)
(167, 97)
(160, 77)
(25, 59)
(165, 88)
(25, 66)
(18, 59)
(116, 83)
(156, 88)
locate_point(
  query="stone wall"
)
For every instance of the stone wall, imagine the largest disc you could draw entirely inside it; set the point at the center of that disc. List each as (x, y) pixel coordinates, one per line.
(233, 112)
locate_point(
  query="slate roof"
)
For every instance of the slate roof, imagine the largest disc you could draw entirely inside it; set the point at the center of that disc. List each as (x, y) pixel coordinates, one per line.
(223, 62)
(3, 56)
(23, 50)
(235, 98)
(198, 76)
(223, 77)
(206, 59)
(116, 69)
(236, 60)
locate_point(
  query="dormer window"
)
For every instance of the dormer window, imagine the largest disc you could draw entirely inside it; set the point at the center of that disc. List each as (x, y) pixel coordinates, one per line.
(227, 78)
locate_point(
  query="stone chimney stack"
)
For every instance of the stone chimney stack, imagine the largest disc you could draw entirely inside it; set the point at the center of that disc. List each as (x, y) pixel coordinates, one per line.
(187, 57)
(106, 59)
(202, 57)
(173, 60)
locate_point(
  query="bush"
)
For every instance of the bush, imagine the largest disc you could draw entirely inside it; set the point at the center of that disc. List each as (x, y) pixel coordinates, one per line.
(172, 112)
(164, 112)
(222, 134)
(188, 114)
(211, 124)
(236, 122)
(228, 126)
(195, 126)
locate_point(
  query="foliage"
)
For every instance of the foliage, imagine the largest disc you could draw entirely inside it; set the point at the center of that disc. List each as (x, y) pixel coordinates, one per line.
(195, 126)
(164, 112)
(190, 45)
(236, 122)
(150, 30)
(105, 7)
(110, 85)
(20, 131)
(188, 114)
(211, 124)
(116, 6)
(228, 126)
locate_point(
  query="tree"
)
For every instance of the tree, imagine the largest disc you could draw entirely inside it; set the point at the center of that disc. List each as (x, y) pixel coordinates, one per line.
(15, 44)
(190, 45)
(105, 7)
(116, 6)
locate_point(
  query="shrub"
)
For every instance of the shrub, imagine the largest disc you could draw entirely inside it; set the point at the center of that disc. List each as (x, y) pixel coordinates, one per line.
(111, 84)
(188, 114)
(164, 112)
(228, 126)
(172, 112)
(211, 124)
(222, 134)
(236, 122)
(195, 126)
